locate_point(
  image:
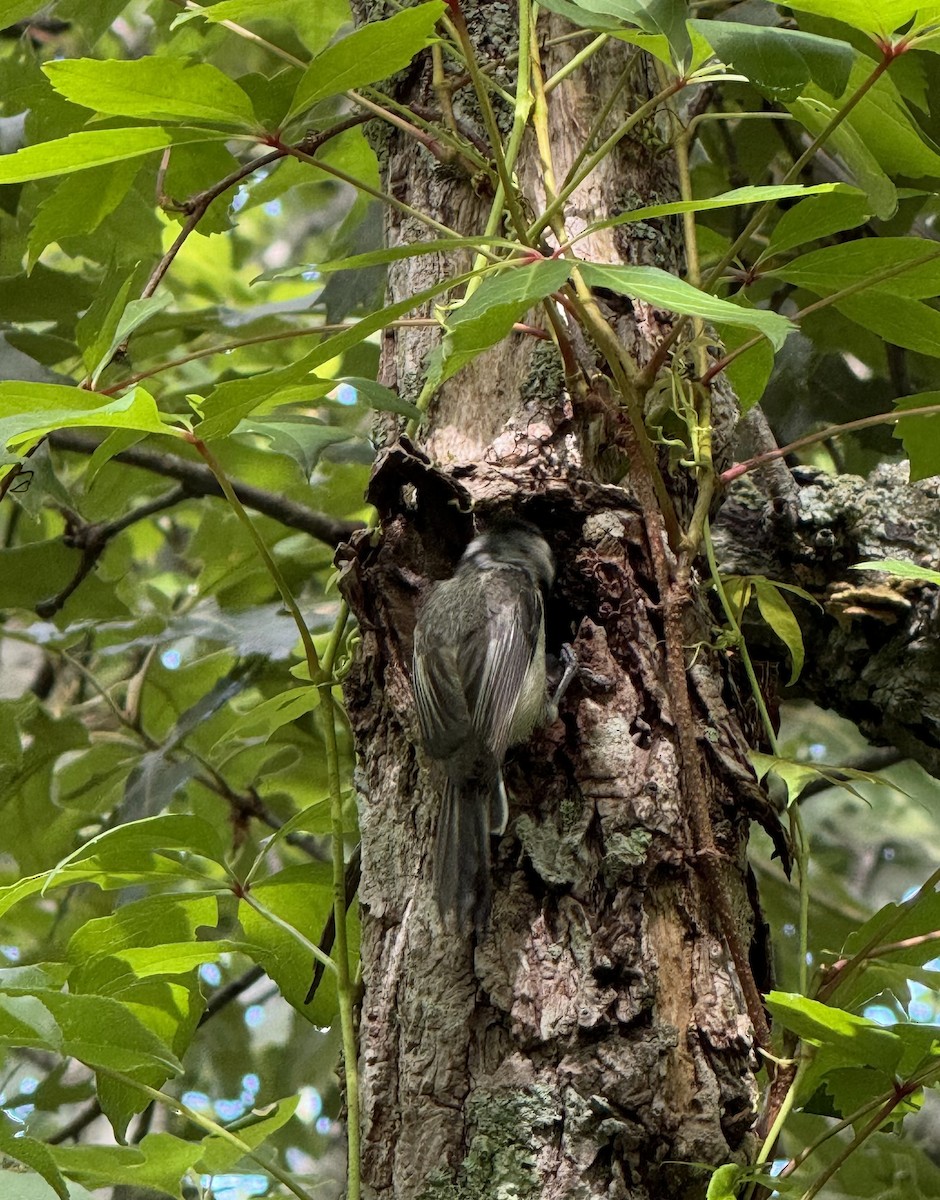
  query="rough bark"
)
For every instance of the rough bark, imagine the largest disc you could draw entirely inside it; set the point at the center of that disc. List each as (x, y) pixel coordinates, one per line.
(594, 1040)
(873, 655)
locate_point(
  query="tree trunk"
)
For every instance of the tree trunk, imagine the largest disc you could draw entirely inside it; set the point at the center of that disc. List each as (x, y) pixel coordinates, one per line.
(596, 1041)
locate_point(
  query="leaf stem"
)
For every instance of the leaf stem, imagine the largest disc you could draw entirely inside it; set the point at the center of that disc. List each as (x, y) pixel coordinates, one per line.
(211, 1127)
(739, 469)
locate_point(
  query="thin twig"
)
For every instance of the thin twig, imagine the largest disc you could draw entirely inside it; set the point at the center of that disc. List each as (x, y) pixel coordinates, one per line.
(199, 481)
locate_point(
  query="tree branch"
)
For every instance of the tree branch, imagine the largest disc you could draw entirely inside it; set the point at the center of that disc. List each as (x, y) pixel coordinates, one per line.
(874, 658)
(199, 481)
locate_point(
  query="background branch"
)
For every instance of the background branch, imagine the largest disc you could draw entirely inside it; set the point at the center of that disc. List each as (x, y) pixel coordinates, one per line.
(198, 480)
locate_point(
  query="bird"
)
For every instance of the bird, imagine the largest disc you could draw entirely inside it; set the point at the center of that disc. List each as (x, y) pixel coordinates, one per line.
(480, 686)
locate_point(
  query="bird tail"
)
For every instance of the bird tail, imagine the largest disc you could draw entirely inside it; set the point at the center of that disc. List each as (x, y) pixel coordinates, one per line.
(470, 811)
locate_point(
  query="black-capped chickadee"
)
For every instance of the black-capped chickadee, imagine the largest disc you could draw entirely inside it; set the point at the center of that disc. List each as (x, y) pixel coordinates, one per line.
(480, 687)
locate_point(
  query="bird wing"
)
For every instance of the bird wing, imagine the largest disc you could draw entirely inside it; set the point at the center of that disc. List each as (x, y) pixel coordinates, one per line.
(443, 715)
(494, 667)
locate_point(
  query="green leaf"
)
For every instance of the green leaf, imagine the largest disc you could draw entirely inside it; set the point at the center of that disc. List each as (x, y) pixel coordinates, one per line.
(15, 1144)
(883, 122)
(80, 203)
(26, 1022)
(262, 720)
(796, 775)
(135, 313)
(661, 18)
(668, 291)
(920, 436)
(12, 11)
(780, 62)
(725, 1182)
(301, 897)
(896, 566)
(314, 24)
(371, 53)
(176, 958)
(878, 17)
(88, 148)
(102, 1032)
(580, 15)
(818, 217)
(855, 1040)
(232, 401)
(382, 399)
(751, 371)
(150, 835)
(153, 88)
(732, 199)
(159, 1162)
(903, 322)
(779, 616)
(833, 268)
(150, 921)
(389, 254)
(15, 1185)
(870, 175)
(220, 1155)
(28, 411)
(495, 306)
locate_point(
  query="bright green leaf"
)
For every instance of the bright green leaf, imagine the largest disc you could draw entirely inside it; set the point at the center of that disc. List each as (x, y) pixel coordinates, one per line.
(88, 148)
(668, 291)
(878, 17)
(80, 203)
(725, 1182)
(159, 1162)
(153, 88)
(371, 53)
(897, 567)
(102, 1032)
(28, 411)
(135, 314)
(855, 1039)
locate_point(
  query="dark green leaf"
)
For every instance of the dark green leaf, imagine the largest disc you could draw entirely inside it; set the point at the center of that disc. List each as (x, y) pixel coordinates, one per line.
(818, 217)
(780, 62)
(833, 268)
